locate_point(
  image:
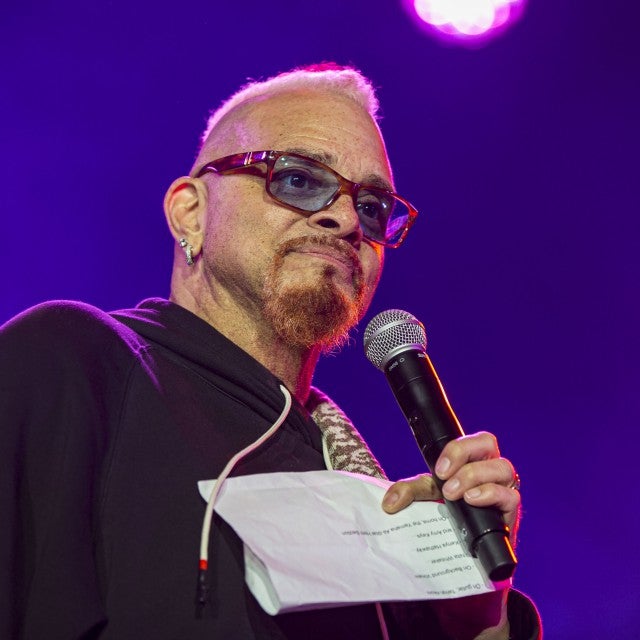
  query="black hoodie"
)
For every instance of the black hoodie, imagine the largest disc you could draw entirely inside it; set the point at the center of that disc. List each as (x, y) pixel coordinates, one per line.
(108, 421)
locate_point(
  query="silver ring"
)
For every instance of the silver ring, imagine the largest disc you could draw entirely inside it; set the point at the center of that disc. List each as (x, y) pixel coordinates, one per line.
(515, 483)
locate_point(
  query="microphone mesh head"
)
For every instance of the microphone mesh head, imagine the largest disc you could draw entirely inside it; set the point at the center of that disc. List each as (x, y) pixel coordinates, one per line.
(392, 331)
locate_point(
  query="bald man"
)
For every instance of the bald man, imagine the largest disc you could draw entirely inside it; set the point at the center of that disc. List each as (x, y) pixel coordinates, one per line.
(110, 419)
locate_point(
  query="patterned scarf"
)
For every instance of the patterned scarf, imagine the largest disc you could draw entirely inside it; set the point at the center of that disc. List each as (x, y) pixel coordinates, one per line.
(344, 446)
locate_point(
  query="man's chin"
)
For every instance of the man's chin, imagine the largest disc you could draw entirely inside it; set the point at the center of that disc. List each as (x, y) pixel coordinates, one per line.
(315, 312)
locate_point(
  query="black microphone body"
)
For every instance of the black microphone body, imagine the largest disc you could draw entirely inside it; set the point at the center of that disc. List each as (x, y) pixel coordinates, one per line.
(424, 403)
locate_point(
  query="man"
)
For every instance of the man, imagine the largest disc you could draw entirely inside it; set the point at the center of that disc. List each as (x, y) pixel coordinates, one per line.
(109, 420)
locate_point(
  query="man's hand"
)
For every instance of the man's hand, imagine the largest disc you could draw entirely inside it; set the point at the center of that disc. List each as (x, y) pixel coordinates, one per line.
(474, 471)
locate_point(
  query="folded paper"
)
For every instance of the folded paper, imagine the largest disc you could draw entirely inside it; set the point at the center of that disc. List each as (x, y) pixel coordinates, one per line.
(321, 539)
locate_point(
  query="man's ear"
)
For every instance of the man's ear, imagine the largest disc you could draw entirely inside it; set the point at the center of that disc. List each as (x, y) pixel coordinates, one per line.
(185, 207)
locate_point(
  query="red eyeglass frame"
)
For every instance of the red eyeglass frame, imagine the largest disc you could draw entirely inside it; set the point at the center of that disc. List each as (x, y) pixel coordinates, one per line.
(244, 161)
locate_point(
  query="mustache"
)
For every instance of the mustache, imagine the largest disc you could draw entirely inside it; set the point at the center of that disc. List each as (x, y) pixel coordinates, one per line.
(339, 246)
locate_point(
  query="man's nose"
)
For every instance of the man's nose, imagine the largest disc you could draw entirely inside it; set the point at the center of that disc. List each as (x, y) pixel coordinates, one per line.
(340, 219)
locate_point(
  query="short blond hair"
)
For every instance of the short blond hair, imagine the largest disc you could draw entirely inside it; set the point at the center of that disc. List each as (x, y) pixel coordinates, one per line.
(346, 81)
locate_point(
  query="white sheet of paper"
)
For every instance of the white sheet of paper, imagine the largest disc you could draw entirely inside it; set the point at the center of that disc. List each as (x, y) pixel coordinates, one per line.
(320, 539)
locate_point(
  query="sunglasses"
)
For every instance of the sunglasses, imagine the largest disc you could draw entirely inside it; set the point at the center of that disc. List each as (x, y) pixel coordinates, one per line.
(308, 186)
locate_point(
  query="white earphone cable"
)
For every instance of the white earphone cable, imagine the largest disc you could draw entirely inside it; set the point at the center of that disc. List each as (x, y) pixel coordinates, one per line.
(208, 515)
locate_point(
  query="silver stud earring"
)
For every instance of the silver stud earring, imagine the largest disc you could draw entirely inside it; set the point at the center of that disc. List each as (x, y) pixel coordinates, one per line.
(187, 250)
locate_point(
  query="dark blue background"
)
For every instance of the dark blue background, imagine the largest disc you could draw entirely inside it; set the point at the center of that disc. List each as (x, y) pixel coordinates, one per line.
(522, 157)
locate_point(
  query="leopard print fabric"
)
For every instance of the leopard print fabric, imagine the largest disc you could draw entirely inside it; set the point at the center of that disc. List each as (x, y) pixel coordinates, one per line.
(347, 451)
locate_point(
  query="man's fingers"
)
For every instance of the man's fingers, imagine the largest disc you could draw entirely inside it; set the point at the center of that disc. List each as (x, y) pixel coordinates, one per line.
(401, 494)
(494, 495)
(489, 494)
(473, 471)
(498, 470)
(478, 446)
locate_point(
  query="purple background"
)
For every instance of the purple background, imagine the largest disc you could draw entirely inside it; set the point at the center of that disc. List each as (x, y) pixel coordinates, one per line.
(523, 158)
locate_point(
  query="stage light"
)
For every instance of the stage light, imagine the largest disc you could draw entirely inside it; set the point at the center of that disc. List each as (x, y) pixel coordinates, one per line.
(467, 22)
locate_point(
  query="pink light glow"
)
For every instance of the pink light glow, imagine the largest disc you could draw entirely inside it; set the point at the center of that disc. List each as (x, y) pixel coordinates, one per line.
(466, 21)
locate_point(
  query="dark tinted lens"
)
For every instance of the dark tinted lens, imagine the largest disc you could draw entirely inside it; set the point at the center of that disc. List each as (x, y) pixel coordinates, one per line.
(382, 216)
(302, 183)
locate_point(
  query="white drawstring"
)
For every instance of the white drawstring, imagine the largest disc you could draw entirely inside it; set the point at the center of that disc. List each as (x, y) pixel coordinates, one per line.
(208, 514)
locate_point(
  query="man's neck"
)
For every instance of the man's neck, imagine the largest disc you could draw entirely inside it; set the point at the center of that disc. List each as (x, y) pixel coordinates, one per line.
(249, 331)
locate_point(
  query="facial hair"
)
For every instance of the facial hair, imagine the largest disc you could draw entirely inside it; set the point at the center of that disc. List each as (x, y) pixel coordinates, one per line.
(314, 312)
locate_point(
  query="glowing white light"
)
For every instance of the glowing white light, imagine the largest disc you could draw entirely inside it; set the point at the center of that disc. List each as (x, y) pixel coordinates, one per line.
(433, 12)
(467, 18)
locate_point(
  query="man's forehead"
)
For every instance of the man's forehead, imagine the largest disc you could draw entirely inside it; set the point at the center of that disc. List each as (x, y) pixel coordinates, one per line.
(322, 125)
(305, 113)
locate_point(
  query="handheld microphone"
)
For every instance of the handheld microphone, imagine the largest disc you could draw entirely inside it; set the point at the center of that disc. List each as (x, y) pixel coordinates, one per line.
(395, 342)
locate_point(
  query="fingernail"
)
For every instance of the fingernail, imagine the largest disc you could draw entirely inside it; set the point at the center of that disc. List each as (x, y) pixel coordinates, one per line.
(390, 499)
(452, 485)
(473, 493)
(442, 465)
